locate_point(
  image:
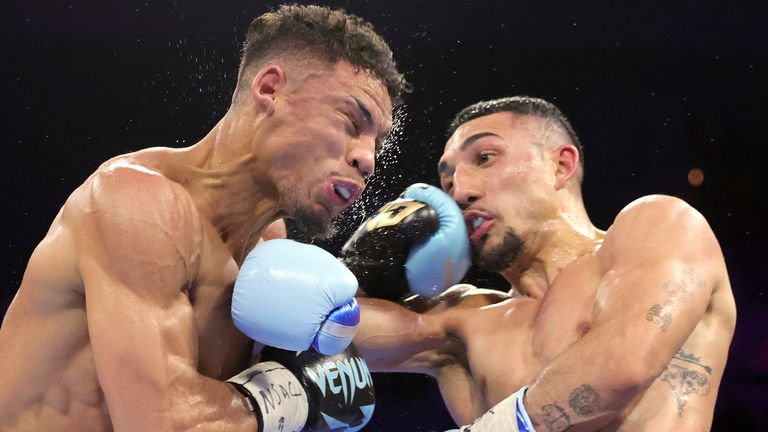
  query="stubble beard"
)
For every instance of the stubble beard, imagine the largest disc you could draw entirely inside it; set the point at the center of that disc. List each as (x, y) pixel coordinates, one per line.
(501, 256)
(313, 224)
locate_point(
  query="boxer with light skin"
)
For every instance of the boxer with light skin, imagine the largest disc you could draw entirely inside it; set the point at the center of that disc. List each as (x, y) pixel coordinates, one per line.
(122, 320)
(626, 329)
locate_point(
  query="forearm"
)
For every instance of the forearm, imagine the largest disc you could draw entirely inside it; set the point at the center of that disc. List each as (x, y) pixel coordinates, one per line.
(188, 402)
(384, 327)
(212, 406)
(392, 338)
(586, 386)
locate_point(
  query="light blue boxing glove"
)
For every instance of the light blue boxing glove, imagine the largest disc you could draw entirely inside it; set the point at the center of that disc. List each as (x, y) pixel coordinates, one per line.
(441, 260)
(291, 295)
(415, 244)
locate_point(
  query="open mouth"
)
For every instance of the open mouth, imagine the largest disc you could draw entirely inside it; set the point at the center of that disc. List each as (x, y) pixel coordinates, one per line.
(478, 223)
(343, 193)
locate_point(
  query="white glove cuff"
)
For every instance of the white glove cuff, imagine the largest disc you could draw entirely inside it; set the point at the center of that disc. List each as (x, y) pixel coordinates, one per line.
(503, 417)
(275, 395)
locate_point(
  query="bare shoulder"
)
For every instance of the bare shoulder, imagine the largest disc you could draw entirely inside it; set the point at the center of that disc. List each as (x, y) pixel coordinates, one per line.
(661, 226)
(460, 296)
(135, 220)
(122, 191)
(659, 231)
(659, 208)
(467, 296)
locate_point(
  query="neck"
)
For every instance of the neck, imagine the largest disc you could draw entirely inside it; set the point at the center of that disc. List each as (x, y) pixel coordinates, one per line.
(561, 240)
(231, 190)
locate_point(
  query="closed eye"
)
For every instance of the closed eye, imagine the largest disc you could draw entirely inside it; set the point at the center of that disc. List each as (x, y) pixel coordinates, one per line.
(447, 186)
(354, 123)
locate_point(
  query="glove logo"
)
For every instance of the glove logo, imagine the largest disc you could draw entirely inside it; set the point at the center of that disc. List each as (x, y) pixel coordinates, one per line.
(340, 375)
(392, 213)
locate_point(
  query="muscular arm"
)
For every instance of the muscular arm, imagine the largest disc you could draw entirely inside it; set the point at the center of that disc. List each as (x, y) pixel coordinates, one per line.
(138, 242)
(662, 263)
(396, 338)
(392, 338)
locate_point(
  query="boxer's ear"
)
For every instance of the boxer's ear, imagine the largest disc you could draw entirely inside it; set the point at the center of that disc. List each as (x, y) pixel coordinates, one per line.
(567, 160)
(265, 87)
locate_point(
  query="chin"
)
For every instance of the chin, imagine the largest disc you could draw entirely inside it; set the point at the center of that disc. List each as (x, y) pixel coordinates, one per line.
(495, 256)
(316, 224)
(486, 245)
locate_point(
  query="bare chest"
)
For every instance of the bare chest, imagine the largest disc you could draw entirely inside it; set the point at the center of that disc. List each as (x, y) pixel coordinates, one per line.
(499, 353)
(567, 309)
(507, 344)
(223, 349)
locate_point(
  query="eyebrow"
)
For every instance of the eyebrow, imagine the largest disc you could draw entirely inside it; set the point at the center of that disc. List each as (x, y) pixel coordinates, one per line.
(368, 118)
(442, 167)
(469, 141)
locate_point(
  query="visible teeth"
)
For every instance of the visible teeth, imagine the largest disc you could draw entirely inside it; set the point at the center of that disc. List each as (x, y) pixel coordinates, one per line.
(343, 192)
(476, 222)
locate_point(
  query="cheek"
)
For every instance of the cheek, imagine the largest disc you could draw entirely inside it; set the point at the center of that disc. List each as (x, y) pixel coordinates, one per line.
(521, 168)
(514, 194)
(289, 157)
(323, 137)
(524, 177)
(309, 146)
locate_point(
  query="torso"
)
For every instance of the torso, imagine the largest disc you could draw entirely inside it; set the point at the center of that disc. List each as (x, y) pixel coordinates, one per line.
(507, 341)
(50, 381)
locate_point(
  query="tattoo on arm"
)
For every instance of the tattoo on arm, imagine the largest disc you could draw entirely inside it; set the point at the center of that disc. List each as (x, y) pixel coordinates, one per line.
(683, 289)
(584, 400)
(678, 290)
(555, 417)
(684, 379)
(660, 315)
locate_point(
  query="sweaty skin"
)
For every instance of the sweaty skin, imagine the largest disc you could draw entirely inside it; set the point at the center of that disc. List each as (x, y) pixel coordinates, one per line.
(622, 330)
(122, 320)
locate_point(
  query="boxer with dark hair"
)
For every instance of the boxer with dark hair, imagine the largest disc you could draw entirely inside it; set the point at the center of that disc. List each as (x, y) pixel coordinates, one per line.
(124, 318)
(626, 329)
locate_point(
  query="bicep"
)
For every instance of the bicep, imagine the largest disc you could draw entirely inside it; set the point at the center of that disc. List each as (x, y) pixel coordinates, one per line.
(652, 309)
(136, 257)
(659, 282)
(142, 350)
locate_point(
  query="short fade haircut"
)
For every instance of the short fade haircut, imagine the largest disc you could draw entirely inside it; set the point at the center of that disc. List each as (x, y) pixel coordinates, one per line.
(326, 34)
(524, 105)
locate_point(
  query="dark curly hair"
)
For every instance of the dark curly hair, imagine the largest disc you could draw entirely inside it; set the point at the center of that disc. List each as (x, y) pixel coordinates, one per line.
(330, 35)
(525, 105)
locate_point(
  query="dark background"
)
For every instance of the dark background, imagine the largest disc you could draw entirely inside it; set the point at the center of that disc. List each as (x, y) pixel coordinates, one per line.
(653, 91)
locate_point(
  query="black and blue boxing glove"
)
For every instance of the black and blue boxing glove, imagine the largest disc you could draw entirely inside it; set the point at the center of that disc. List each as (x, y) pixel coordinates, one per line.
(415, 244)
(307, 391)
